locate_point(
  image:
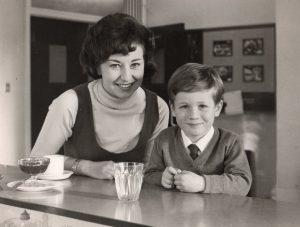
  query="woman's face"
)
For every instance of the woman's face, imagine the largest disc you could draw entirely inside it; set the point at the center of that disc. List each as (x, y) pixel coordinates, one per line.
(123, 74)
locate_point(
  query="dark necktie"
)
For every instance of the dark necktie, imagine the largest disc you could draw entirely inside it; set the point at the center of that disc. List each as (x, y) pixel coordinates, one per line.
(193, 151)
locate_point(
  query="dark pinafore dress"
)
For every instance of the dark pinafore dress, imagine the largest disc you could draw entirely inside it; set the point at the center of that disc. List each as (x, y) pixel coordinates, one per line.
(83, 144)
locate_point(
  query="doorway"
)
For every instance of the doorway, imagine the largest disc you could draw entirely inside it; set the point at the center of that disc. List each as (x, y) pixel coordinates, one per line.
(55, 67)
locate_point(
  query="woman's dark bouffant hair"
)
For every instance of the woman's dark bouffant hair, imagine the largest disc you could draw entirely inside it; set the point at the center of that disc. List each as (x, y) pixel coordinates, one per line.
(113, 34)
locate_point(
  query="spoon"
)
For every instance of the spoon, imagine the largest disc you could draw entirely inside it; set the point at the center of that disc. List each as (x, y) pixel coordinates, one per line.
(16, 185)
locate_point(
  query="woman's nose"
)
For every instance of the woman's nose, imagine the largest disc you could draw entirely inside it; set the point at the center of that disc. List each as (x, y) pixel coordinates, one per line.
(126, 73)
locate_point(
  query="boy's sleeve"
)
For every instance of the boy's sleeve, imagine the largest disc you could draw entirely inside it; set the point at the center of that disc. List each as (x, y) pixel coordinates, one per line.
(237, 177)
(161, 125)
(156, 165)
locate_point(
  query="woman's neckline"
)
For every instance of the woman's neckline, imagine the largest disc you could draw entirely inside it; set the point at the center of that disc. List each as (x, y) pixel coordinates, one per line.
(106, 99)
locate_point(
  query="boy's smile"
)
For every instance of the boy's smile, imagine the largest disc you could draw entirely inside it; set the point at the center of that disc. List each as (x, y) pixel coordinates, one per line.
(195, 112)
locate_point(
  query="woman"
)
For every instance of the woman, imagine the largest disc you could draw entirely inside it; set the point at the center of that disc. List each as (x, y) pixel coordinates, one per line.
(111, 118)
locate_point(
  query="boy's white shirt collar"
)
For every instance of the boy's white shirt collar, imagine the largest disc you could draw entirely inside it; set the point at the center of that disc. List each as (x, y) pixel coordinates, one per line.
(202, 142)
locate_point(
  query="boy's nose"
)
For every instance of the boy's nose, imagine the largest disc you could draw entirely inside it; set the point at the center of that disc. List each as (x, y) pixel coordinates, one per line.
(194, 113)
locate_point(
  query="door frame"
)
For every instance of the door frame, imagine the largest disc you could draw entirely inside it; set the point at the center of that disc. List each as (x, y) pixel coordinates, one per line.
(44, 13)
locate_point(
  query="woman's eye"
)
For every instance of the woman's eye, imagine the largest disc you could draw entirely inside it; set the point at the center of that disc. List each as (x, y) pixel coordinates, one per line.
(115, 66)
(135, 65)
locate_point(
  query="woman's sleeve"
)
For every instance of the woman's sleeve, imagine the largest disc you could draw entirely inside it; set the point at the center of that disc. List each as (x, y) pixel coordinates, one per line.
(58, 124)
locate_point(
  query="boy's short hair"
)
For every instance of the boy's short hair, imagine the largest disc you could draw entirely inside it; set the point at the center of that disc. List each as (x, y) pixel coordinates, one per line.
(192, 77)
(114, 34)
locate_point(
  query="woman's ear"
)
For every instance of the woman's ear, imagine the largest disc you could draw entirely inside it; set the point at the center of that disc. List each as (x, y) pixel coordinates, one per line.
(99, 70)
(218, 108)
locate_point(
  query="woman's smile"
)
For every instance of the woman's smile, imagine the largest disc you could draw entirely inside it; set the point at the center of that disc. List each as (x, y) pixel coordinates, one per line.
(125, 86)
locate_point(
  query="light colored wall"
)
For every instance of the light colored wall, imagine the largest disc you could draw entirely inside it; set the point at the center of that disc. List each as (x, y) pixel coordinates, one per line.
(288, 104)
(12, 72)
(210, 13)
(238, 60)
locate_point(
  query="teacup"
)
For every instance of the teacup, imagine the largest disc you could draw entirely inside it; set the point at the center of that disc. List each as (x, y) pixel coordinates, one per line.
(56, 165)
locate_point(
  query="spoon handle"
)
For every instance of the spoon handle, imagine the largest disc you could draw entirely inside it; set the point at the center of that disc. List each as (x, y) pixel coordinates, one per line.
(16, 185)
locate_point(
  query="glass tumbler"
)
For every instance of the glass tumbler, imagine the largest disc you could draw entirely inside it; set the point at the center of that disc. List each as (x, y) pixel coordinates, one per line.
(128, 180)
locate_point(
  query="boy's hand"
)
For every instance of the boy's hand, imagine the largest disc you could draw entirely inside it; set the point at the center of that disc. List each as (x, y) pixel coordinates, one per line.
(167, 179)
(189, 182)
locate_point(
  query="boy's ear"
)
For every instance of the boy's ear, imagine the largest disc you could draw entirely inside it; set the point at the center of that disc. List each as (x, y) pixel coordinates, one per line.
(172, 108)
(218, 108)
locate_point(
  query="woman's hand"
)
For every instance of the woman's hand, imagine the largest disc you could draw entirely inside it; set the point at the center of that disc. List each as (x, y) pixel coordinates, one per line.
(98, 170)
(188, 181)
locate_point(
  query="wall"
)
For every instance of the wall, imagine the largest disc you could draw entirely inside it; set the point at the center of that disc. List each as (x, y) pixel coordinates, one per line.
(210, 13)
(12, 72)
(238, 60)
(288, 104)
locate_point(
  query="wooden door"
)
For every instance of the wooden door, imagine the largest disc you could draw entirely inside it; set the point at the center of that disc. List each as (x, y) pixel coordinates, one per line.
(55, 48)
(171, 53)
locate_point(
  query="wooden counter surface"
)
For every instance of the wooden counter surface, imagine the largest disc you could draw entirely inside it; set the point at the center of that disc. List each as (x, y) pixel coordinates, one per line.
(96, 201)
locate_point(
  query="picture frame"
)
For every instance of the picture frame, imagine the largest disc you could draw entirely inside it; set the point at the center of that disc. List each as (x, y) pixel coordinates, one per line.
(222, 48)
(252, 60)
(253, 73)
(225, 72)
(253, 46)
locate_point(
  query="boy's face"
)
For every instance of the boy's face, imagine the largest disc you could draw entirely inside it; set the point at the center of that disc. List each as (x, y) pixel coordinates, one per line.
(195, 112)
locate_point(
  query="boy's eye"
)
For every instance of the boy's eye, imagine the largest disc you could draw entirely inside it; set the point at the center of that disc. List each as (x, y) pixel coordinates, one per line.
(202, 106)
(183, 107)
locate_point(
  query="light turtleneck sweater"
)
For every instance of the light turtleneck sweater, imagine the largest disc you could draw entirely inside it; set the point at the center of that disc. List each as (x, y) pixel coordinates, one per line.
(117, 122)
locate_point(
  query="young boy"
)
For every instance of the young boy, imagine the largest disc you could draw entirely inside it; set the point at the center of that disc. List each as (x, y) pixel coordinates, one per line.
(219, 164)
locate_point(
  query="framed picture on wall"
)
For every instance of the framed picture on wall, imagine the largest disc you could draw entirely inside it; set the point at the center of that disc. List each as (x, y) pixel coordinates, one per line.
(225, 72)
(245, 59)
(253, 73)
(253, 46)
(222, 48)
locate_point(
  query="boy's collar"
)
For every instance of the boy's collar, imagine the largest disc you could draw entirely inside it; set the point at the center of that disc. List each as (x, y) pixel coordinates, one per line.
(202, 142)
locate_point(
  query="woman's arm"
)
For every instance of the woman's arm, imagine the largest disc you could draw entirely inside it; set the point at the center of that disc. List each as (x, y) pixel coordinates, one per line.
(99, 170)
(57, 128)
(58, 124)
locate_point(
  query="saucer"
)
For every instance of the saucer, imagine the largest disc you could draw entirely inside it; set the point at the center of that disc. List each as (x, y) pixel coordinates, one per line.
(66, 174)
(44, 186)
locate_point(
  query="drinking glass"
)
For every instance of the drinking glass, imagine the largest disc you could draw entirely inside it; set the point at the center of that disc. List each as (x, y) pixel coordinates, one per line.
(128, 180)
(33, 166)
